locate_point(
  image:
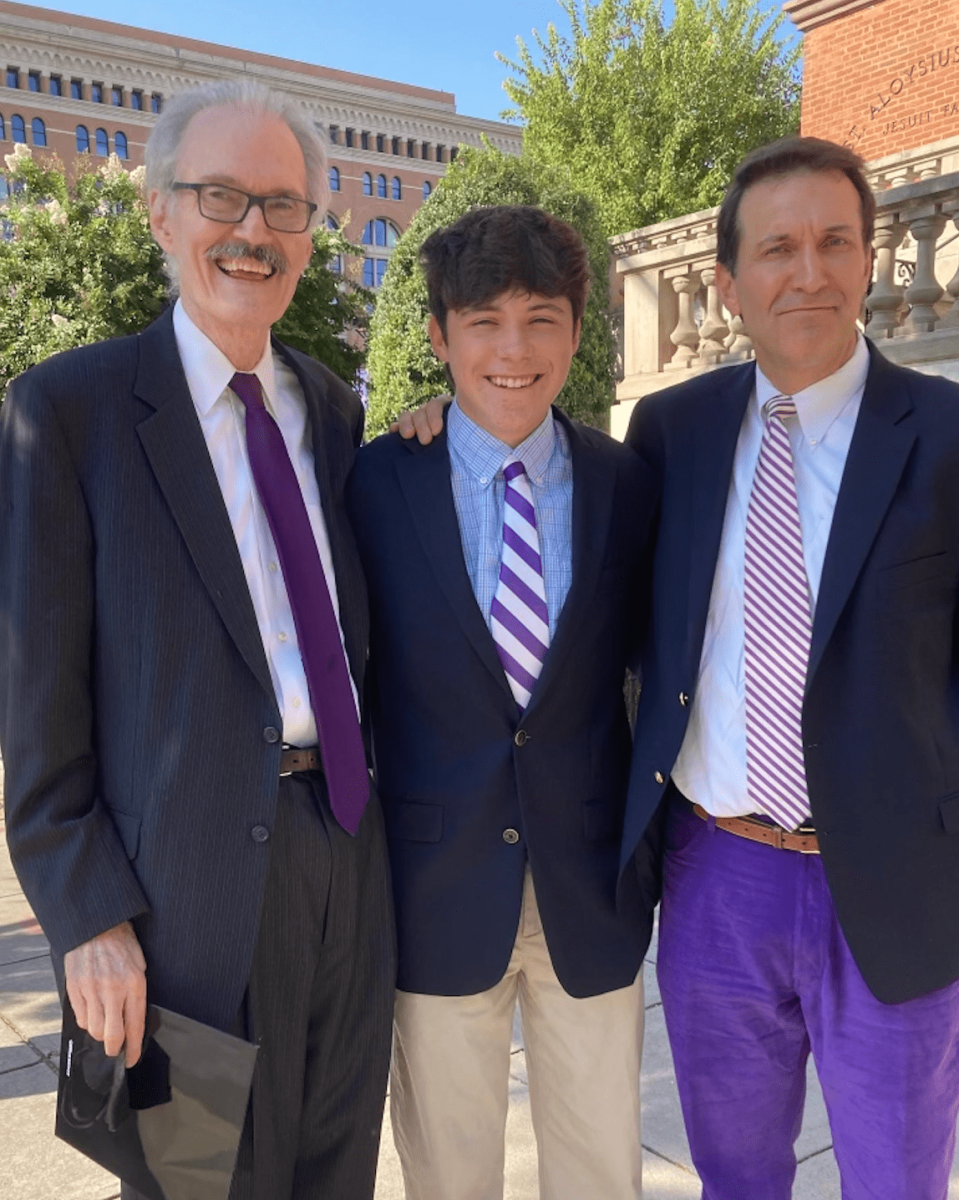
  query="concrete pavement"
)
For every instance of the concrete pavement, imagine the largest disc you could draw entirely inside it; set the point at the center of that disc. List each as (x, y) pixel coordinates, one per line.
(35, 1166)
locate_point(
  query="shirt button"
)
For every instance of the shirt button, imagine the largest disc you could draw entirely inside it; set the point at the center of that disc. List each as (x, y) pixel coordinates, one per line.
(484, 479)
(274, 567)
(259, 833)
(659, 777)
(282, 636)
(510, 837)
(296, 702)
(521, 738)
(683, 699)
(271, 735)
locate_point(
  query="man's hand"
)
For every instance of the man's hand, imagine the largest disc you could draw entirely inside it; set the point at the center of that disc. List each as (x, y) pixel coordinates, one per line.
(106, 983)
(424, 422)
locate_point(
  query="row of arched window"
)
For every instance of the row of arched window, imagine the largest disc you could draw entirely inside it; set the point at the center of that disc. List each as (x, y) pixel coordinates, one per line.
(101, 142)
(384, 189)
(380, 235)
(18, 130)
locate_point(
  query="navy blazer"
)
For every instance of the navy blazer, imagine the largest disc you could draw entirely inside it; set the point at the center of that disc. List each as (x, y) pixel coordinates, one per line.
(137, 716)
(881, 709)
(460, 767)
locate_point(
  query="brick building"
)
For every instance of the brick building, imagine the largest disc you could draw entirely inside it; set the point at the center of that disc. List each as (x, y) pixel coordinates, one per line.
(879, 75)
(75, 85)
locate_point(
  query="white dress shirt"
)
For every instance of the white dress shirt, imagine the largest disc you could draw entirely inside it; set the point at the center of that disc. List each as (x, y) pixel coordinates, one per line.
(223, 421)
(711, 768)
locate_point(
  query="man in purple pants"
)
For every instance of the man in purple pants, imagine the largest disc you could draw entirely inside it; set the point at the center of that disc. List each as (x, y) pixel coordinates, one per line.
(799, 720)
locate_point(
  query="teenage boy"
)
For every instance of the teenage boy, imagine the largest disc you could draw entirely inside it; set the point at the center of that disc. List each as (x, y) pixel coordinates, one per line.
(504, 563)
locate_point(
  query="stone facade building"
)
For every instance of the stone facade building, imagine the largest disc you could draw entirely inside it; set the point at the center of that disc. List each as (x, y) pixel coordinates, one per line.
(75, 85)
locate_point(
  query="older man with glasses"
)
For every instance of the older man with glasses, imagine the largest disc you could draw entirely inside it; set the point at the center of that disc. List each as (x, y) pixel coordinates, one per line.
(183, 632)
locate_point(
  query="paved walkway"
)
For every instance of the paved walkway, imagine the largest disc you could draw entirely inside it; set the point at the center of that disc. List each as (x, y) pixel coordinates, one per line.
(35, 1166)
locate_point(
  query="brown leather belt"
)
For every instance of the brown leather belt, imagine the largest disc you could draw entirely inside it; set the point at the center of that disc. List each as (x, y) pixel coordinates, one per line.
(296, 758)
(803, 842)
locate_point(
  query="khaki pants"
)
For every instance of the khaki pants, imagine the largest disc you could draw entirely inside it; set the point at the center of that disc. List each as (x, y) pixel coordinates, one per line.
(450, 1082)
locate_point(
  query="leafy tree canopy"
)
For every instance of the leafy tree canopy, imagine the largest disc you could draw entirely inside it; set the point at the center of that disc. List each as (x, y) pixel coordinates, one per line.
(78, 264)
(652, 115)
(403, 370)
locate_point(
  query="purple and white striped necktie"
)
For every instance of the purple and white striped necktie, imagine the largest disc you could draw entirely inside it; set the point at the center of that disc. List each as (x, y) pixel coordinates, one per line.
(778, 625)
(519, 616)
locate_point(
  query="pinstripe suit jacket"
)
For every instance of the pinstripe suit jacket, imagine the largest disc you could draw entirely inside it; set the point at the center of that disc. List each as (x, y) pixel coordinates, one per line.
(137, 715)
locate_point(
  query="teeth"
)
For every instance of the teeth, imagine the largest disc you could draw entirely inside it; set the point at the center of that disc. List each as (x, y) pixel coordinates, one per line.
(512, 381)
(244, 264)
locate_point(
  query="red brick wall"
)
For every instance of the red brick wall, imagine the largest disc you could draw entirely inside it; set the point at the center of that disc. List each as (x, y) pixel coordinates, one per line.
(885, 78)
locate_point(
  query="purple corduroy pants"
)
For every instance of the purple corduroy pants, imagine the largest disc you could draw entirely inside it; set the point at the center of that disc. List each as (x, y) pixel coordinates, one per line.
(754, 972)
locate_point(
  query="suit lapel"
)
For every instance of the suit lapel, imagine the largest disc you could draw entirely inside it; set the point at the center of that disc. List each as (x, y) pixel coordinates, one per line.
(880, 446)
(175, 447)
(594, 487)
(424, 476)
(715, 435)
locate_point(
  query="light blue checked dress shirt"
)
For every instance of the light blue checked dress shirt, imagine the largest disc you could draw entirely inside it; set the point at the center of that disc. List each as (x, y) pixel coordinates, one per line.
(476, 469)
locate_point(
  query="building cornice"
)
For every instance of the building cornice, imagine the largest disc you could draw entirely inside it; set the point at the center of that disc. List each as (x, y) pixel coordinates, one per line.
(809, 14)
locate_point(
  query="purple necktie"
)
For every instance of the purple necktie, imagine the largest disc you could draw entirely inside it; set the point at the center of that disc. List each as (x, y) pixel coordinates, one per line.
(327, 675)
(778, 626)
(519, 616)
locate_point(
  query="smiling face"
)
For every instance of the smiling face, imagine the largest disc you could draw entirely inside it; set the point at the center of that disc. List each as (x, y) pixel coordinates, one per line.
(509, 358)
(801, 275)
(234, 300)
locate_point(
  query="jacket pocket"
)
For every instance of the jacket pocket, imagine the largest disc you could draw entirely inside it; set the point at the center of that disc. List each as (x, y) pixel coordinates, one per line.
(128, 827)
(949, 813)
(602, 820)
(413, 821)
(914, 572)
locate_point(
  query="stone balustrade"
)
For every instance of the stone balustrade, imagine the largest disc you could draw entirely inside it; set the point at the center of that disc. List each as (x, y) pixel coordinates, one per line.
(675, 325)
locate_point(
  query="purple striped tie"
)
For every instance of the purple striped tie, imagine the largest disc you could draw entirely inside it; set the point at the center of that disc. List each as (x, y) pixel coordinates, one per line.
(318, 635)
(778, 629)
(520, 619)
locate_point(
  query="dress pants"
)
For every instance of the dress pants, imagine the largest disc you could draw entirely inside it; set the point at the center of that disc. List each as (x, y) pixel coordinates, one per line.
(319, 1004)
(450, 1082)
(754, 973)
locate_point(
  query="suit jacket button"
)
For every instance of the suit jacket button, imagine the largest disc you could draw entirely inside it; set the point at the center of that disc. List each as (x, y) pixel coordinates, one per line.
(510, 837)
(683, 699)
(271, 735)
(259, 833)
(521, 738)
(659, 777)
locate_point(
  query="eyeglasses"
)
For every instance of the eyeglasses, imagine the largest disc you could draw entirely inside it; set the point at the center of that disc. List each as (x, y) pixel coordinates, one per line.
(285, 214)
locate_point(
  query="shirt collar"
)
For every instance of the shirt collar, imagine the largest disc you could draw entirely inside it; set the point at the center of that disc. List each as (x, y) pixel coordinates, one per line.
(208, 370)
(483, 454)
(820, 404)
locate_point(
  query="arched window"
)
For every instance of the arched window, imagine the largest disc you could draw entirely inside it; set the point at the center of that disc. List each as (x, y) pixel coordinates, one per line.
(427, 189)
(397, 188)
(334, 179)
(103, 143)
(39, 132)
(3, 129)
(367, 184)
(120, 145)
(18, 131)
(380, 232)
(381, 186)
(83, 139)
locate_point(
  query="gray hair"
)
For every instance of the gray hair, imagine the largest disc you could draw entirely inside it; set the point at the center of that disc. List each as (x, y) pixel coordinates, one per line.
(163, 147)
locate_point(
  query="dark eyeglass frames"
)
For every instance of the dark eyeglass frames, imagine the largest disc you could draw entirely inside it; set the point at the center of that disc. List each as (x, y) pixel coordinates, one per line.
(285, 214)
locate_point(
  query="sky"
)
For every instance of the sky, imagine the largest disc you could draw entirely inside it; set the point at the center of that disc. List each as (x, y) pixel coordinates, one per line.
(445, 44)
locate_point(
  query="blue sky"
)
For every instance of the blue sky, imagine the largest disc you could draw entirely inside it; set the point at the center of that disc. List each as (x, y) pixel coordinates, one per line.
(446, 44)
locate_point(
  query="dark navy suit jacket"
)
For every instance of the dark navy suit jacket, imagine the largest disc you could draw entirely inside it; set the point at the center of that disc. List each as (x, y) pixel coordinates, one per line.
(137, 716)
(881, 710)
(459, 766)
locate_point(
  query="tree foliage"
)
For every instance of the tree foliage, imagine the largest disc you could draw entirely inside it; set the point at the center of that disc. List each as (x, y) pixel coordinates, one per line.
(403, 370)
(78, 264)
(652, 115)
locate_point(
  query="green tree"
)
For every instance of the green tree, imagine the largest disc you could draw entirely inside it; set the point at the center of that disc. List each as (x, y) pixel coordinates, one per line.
(78, 264)
(652, 115)
(402, 367)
